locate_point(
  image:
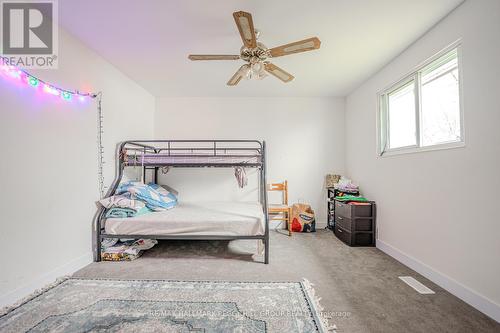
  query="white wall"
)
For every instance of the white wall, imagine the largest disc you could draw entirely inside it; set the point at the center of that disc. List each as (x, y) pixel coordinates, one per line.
(304, 138)
(49, 182)
(438, 211)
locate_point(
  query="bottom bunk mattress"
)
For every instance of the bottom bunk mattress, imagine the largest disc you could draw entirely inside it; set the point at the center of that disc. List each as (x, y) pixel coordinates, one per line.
(195, 219)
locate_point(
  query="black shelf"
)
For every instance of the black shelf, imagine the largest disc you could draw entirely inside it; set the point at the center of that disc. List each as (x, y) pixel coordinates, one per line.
(356, 224)
(330, 204)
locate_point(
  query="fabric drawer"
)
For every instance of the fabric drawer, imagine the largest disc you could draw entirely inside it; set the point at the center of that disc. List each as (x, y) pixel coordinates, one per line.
(364, 239)
(342, 209)
(363, 224)
(343, 222)
(343, 235)
(352, 211)
(361, 210)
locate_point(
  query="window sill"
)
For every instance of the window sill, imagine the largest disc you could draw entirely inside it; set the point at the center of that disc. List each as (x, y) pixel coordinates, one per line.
(412, 150)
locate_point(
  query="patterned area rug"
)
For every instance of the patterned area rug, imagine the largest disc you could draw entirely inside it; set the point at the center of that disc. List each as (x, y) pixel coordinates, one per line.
(80, 305)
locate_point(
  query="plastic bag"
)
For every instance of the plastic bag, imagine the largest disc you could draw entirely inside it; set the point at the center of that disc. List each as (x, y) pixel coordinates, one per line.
(303, 219)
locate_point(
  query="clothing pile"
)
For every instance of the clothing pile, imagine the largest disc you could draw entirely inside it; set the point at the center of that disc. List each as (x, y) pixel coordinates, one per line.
(125, 249)
(352, 199)
(132, 199)
(346, 185)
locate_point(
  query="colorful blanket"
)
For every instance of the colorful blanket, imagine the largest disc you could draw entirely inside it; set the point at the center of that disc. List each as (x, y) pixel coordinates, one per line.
(154, 196)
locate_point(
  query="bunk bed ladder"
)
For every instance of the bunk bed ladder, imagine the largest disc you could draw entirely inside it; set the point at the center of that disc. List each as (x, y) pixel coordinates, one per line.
(111, 190)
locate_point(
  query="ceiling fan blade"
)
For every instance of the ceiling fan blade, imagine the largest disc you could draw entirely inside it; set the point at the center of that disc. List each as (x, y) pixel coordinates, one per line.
(213, 57)
(244, 23)
(236, 78)
(296, 47)
(278, 72)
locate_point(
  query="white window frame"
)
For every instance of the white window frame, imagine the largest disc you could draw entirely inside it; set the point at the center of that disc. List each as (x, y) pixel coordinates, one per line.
(415, 76)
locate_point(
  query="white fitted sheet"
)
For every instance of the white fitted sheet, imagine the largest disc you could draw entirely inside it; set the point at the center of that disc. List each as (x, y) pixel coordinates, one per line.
(200, 218)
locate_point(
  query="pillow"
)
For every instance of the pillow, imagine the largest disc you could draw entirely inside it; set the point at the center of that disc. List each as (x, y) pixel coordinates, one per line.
(164, 192)
(169, 198)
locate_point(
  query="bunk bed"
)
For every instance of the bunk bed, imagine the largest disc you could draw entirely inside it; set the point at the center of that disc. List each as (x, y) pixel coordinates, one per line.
(201, 221)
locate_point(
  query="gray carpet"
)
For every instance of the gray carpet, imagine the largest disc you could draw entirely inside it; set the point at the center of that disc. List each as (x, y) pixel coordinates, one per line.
(359, 286)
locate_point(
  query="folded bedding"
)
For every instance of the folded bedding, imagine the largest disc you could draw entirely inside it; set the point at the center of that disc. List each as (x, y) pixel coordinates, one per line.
(154, 196)
(122, 201)
(120, 212)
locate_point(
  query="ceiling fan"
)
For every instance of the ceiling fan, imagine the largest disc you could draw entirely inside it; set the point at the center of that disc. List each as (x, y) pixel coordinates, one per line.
(257, 54)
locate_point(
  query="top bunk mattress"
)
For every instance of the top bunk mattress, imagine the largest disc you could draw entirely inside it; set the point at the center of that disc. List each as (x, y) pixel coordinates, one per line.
(195, 219)
(165, 159)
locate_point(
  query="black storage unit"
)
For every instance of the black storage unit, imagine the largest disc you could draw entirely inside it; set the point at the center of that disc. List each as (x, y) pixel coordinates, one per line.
(355, 224)
(330, 204)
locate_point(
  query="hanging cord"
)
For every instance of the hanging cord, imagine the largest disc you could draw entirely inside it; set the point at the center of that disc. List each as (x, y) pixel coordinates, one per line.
(142, 167)
(100, 146)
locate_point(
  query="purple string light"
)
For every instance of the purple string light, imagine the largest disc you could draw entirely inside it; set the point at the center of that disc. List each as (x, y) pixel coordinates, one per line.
(37, 83)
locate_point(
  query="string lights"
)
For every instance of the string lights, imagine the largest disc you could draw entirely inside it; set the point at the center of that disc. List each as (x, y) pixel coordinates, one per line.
(37, 83)
(67, 95)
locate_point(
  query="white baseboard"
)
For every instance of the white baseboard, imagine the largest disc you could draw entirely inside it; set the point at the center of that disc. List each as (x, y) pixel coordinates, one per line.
(273, 224)
(478, 301)
(45, 279)
(320, 225)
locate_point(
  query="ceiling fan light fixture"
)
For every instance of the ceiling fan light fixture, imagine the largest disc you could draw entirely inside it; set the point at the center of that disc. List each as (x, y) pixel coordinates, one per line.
(259, 70)
(256, 71)
(256, 54)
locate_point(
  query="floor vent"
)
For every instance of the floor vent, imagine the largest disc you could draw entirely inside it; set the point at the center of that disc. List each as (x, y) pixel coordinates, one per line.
(416, 285)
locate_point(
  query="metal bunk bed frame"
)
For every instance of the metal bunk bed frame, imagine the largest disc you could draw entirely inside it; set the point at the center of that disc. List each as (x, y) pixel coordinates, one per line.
(147, 146)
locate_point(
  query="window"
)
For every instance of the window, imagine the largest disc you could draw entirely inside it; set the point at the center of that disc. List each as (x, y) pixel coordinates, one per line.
(423, 110)
(401, 109)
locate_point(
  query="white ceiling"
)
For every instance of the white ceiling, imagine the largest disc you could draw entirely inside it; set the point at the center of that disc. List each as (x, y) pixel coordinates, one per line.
(149, 40)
